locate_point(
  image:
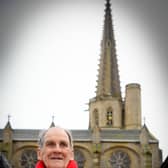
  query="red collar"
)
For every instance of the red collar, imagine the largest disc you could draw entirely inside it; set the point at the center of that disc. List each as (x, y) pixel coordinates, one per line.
(71, 164)
(40, 164)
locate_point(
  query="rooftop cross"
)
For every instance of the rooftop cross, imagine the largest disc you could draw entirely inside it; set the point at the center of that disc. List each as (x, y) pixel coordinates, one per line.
(144, 119)
(53, 118)
(9, 116)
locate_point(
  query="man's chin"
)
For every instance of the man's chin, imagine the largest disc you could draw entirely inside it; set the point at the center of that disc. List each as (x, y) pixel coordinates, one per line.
(57, 164)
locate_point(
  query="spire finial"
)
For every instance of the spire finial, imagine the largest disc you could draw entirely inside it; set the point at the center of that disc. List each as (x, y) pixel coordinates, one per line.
(107, 1)
(108, 4)
(52, 123)
(53, 118)
(9, 116)
(144, 119)
(8, 125)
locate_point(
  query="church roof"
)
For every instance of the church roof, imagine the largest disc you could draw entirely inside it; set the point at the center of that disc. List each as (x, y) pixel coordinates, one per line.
(83, 135)
(123, 135)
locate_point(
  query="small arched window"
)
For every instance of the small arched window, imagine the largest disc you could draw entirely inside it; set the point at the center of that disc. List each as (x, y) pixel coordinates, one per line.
(109, 116)
(108, 43)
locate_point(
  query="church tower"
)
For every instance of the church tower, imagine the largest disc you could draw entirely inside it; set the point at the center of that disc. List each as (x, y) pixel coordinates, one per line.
(115, 122)
(107, 109)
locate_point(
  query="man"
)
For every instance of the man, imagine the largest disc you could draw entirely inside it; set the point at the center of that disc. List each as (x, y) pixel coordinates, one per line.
(55, 149)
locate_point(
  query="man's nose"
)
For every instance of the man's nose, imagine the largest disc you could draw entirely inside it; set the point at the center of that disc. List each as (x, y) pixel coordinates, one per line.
(57, 147)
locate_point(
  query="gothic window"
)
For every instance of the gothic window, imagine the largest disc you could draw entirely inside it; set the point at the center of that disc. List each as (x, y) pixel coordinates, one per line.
(79, 157)
(109, 116)
(28, 158)
(120, 159)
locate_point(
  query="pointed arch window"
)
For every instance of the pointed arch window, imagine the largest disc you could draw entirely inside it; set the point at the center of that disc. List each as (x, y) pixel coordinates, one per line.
(79, 157)
(109, 116)
(28, 158)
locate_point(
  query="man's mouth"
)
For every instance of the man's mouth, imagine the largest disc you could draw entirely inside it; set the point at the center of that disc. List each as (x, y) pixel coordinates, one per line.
(56, 158)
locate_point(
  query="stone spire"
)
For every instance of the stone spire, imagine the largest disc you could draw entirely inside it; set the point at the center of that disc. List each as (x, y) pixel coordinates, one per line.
(52, 123)
(108, 83)
(8, 125)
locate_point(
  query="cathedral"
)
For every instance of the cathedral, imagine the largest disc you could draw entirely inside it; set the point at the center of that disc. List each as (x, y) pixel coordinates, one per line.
(115, 137)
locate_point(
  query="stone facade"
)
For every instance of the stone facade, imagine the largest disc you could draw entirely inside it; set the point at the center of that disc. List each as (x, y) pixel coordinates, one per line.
(100, 147)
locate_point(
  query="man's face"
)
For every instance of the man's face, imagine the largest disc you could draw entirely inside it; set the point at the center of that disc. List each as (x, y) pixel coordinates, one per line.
(56, 151)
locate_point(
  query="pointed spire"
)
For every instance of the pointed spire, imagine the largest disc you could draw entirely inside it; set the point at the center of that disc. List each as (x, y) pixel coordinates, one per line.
(52, 123)
(108, 83)
(8, 125)
(108, 28)
(144, 135)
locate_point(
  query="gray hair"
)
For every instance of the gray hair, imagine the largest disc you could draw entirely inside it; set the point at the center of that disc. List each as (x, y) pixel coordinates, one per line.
(43, 133)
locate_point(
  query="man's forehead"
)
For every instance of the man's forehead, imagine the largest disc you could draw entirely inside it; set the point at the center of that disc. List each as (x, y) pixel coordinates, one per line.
(54, 131)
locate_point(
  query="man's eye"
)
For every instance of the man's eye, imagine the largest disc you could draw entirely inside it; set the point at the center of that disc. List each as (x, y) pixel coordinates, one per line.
(63, 144)
(50, 144)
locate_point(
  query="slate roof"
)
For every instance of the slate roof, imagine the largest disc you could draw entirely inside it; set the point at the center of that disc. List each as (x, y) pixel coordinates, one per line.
(83, 135)
(123, 136)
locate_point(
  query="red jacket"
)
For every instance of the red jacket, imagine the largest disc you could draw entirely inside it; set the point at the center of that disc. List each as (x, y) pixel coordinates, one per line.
(71, 164)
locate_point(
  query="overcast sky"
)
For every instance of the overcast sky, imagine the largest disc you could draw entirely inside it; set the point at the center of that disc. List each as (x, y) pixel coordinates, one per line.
(50, 53)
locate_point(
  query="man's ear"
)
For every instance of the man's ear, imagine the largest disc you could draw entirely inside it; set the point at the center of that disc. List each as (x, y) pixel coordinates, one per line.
(39, 157)
(71, 155)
